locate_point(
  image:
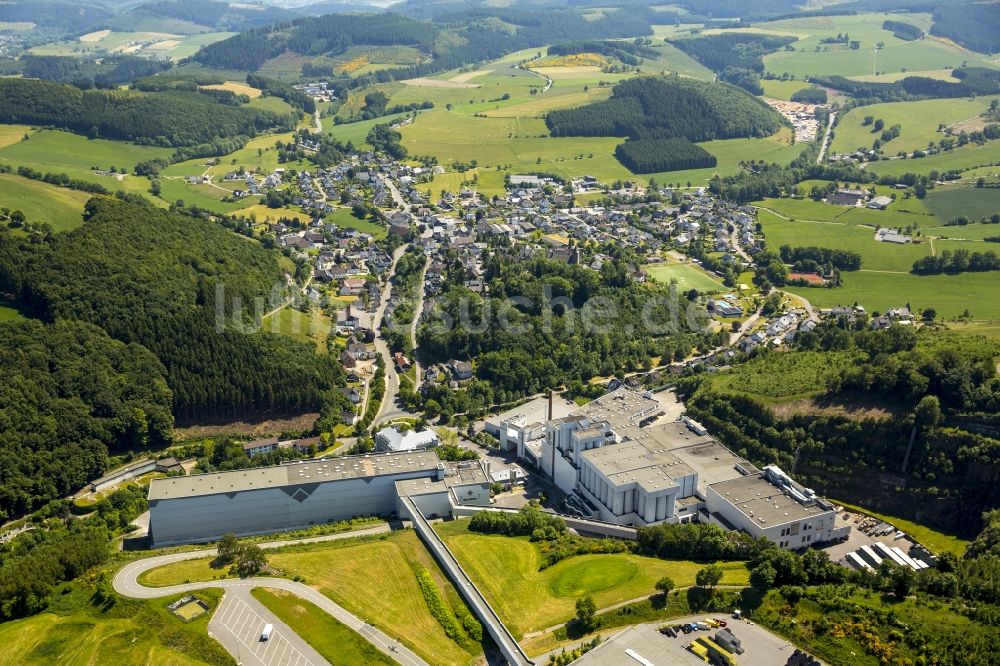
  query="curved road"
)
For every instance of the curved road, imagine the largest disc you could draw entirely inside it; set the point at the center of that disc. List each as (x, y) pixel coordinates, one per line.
(237, 623)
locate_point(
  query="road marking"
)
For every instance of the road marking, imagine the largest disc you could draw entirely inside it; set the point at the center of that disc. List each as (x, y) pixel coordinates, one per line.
(246, 625)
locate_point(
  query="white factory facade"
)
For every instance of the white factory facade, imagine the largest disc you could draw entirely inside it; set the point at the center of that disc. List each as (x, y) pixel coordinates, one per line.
(619, 461)
(204, 507)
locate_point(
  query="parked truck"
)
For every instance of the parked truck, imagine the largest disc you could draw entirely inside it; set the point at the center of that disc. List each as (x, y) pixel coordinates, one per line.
(266, 634)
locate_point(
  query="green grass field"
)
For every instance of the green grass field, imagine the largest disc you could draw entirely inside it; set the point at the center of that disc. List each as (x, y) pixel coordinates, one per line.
(59, 207)
(687, 276)
(330, 638)
(62, 152)
(875, 255)
(529, 599)
(918, 121)
(950, 295)
(960, 159)
(949, 202)
(342, 570)
(811, 58)
(310, 327)
(344, 218)
(777, 89)
(139, 633)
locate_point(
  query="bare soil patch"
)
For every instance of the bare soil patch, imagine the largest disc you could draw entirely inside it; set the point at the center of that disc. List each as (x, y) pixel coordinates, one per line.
(260, 428)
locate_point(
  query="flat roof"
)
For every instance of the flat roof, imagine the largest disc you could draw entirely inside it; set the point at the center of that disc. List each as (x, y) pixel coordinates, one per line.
(534, 411)
(639, 459)
(639, 641)
(763, 502)
(620, 408)
(306, 471)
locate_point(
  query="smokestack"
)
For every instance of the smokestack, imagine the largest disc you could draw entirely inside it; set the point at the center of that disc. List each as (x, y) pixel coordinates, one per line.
(551, 402)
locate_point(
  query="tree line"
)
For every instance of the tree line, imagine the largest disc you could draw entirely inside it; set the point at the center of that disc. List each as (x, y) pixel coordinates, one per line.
(843, 259)
(654, 155)
(902, 30)
(106, 72)
(957, 261)
(163, 119)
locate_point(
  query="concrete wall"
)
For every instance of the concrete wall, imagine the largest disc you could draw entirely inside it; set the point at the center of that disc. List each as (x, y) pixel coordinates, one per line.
(126, 473)
(259, 511)
(565, 474)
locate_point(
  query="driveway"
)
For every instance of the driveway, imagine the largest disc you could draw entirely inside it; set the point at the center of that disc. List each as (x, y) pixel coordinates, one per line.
(240, 617)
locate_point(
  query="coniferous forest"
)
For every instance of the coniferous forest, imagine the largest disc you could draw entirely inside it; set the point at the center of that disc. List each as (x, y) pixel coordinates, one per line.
(166, 281)
(163, 119)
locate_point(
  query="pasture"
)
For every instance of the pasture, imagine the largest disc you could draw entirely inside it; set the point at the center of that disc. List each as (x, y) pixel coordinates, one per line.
(528, 598)
(949, 202)
(966, 157)
(330, 638)
(811, 57)
(688, 276)
(345, 219)
(56, 151)
(777, 89)
(11, 134)
(148, 43)
(950, 295)
(60, 208)
(918, 120)
(875, 255)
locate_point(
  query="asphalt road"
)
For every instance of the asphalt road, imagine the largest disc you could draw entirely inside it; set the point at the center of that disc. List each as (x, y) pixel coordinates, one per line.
(238, 621)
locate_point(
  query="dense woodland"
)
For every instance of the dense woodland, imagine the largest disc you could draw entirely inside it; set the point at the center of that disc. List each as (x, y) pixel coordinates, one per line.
(974, 25)
(974, 81)
(666, 107)
(654, 155)
(957, 261)
(661, 116)
(737, 58)
(162, 119)
(902, 30)
(108, 72)
(70, 394)
(185, 288)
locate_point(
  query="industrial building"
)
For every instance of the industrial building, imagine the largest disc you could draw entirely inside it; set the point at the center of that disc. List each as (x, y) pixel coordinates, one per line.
(770, 504)
(391, 440)
(204, 507)
(618, 463)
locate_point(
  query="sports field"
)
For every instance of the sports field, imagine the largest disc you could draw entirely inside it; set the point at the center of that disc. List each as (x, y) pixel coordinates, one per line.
(687, 276)
(58, 207)
(918, 120)
(507, 570)
(330, 638)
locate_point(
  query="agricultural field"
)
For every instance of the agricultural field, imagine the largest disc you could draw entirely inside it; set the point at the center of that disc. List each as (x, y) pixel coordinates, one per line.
(811, 58)
(939, 74)
(173, 189)
(875, 255)
(330, 638)
(62, 152)
(487, 182)
(950, 295)
(392, 600)
(58, 207)
(969, 156)
(949, 202)
(175, 46)
(777, 89)
(528, 598)
(11, 134)
(78, 633)
(688, 276)
(919, 122)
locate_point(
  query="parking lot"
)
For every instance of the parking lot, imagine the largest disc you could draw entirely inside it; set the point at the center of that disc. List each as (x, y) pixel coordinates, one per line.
(762, 648)
(858, 538)
(244, 626)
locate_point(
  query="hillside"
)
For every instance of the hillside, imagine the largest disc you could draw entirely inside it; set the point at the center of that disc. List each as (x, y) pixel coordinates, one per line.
(69, 394)
(650, 109)
(974, 25)
(165, 119)
(193, 16)
(154, 278)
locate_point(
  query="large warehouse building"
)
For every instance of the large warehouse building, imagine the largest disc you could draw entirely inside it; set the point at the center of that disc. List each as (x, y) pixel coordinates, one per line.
(203, 507)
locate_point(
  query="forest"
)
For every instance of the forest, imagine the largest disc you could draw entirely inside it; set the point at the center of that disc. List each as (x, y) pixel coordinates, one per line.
(667, 107)
(902, 30)
(164, 119)
(654, 155)
(630, 53)
(186, 289)
(552, 337)
(974, 81)
(928, 383)
(69, 395)
(737, 58)
(107, 72)
(974, 25)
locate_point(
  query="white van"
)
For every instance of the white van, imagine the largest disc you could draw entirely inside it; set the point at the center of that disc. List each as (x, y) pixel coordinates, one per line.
(266, 634)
